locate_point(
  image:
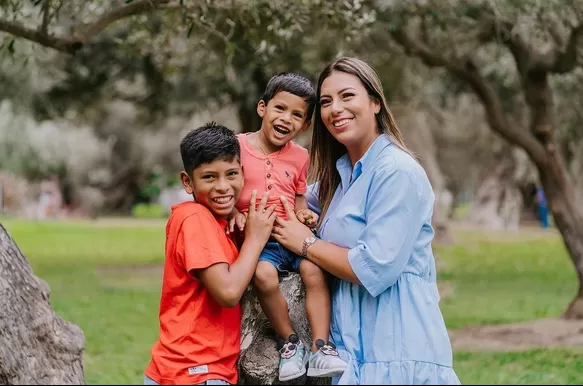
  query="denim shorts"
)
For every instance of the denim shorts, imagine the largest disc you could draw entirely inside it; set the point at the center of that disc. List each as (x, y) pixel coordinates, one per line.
(149, 381)
(282, 258)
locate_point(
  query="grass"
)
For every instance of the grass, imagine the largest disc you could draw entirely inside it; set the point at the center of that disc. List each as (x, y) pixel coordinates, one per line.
(105, 277)
(501, 280)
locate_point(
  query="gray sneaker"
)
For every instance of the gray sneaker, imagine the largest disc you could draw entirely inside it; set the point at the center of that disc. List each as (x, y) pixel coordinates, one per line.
(293, 359)
(325, 362)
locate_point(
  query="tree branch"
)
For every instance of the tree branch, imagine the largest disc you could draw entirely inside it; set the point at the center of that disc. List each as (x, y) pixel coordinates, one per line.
(467, 71)
(46, 13)
(558, 61)
(82, 35)
(71, 44)
(566, 60)
(494, 27)
(19, 30)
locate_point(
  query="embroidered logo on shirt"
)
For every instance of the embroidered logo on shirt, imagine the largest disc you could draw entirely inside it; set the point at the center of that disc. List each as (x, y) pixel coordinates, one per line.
(202, 369)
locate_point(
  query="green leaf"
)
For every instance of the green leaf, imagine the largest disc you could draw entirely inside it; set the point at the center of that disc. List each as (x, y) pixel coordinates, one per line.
(190, 27)
(128, 1)
(11, 47)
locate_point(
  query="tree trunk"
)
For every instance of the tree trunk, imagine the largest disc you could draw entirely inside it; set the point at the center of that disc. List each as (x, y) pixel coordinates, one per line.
(259, 358)
(36, 345)
(558, 188)
(569, 220)
(498, 202)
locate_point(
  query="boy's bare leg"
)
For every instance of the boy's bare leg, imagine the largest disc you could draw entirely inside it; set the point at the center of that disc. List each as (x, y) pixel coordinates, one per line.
(272, 301)
(317, 301)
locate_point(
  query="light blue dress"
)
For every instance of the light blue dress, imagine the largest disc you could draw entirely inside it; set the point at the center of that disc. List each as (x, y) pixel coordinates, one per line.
(390, 329)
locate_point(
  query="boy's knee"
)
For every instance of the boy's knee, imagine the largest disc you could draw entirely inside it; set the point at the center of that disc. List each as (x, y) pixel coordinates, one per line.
(311, 274)
(266, 278)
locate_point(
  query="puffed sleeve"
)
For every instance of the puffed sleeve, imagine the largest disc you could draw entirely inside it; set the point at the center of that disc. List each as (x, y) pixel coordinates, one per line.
(396, 210)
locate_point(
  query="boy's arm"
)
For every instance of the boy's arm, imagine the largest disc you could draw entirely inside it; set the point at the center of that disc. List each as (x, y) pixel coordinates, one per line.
(227, 283)
(303, 213)
(301, 202)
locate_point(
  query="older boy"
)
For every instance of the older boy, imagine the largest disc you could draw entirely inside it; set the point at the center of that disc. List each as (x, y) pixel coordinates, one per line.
(204, 274)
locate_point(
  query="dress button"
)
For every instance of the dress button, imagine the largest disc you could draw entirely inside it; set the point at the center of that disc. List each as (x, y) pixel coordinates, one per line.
(268, 162)
(268, 175)
(269, 187)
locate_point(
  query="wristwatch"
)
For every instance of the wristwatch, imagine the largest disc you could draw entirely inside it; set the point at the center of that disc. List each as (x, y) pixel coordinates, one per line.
(308, 241)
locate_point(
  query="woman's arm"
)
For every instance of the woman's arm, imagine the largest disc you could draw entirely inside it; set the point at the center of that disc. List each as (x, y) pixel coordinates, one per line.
(333, 259)
(330, 257)
(397, 207)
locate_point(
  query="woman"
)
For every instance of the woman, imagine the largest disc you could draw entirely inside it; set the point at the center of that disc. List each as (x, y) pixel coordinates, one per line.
(374, 236)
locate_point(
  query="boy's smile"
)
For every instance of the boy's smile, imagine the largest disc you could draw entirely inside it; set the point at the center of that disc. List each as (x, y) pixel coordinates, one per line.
(284, 117)
(216, 185)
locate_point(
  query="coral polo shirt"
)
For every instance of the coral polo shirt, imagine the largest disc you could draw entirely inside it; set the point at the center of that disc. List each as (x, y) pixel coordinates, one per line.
(283, 173)
(199, 339)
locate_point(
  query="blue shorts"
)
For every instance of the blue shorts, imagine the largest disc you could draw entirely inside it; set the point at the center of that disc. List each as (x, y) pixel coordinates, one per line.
(282, 258)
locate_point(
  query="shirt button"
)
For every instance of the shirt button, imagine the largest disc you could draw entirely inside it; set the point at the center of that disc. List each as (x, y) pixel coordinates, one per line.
(269, 187)
(268, 162)
(268, 175)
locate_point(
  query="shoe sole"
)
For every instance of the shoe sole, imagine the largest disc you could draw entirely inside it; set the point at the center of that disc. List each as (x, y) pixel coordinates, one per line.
(326, 372)
(297, 375)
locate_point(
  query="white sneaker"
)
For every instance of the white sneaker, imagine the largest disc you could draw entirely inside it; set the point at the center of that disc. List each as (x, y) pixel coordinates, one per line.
(325, 362)
(293, 359)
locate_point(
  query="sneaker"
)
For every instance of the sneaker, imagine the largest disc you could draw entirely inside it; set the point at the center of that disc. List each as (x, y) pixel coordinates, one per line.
(325, 362)
(293, 359)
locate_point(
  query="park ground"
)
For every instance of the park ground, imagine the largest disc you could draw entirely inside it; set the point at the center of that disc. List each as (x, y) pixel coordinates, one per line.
(502, 297)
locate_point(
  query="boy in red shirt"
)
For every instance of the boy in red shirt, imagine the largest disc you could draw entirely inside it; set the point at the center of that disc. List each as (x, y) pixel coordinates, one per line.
(273, 163)
(204, 274)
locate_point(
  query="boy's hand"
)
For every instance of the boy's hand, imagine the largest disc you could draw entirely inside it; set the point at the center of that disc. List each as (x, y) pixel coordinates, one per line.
(308, 217)
(259, 221)
(239, 219)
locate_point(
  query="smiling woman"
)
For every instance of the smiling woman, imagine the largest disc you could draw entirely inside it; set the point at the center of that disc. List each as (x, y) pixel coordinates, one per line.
(375, 234)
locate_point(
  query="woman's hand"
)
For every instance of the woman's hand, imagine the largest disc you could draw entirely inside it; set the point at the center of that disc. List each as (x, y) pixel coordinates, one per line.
(290, 233)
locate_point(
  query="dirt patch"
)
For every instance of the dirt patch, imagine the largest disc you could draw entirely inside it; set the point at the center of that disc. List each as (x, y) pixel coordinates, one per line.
(543, 333)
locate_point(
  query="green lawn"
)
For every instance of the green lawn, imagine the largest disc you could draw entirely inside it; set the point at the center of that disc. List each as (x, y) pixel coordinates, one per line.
(105, 277)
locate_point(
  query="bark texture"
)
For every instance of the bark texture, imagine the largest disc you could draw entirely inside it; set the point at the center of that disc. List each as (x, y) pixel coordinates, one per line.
(37, 347)
(259, 359)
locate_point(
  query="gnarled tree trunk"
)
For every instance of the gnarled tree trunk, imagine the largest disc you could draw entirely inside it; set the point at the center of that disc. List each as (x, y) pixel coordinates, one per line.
(259, 359)
(534, 66)
(558, 188)
(498, 201)
(36, 345)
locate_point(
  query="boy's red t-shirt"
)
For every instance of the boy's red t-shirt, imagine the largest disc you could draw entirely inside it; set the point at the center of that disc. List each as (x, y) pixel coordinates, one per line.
(199, 339)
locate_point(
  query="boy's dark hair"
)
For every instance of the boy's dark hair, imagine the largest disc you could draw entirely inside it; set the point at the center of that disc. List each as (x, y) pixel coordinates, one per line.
(294, 84)
(208, 143)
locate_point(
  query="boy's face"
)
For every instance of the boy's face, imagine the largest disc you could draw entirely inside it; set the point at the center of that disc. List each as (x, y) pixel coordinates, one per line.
(216, 185)
(284, 117)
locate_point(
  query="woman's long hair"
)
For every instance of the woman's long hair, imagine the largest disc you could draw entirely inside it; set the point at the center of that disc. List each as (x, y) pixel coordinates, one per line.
(326, 150)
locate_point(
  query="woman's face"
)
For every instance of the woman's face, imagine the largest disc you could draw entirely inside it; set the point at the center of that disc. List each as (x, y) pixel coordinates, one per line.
(347, 111)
